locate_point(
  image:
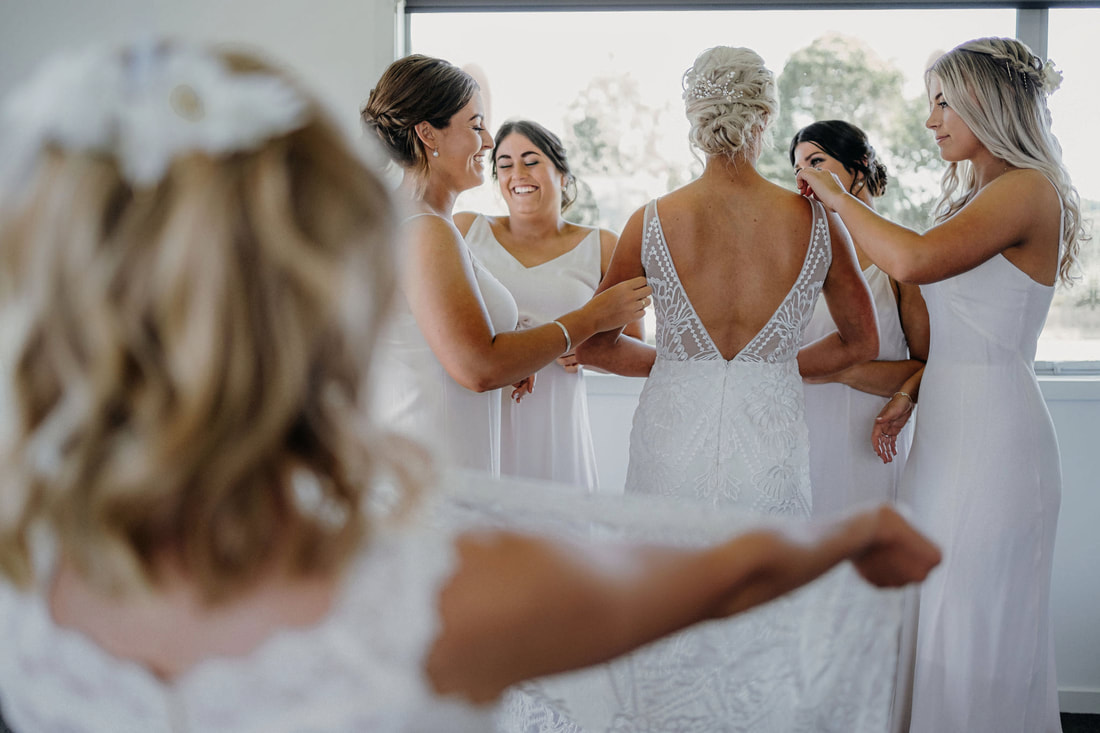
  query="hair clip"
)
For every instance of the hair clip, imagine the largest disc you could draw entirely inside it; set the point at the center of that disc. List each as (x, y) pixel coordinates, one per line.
(708, 89)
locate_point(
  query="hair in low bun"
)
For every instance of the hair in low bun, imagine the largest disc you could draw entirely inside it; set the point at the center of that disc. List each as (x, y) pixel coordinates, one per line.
(412, 90)
(730, 99)
(849, 145)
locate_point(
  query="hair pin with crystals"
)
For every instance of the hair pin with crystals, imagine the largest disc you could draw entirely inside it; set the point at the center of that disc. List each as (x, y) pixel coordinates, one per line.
(145, 107)
(709, 89)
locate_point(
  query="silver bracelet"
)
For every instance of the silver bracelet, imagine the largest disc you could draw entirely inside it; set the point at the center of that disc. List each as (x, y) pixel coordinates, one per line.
(564, 332)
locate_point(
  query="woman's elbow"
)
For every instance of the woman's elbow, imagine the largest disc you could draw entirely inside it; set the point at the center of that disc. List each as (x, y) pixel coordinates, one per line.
(476, 378)
(865, 347)
(586, 352)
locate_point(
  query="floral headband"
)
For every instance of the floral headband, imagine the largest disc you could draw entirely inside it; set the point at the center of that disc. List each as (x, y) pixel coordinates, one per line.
(144, 107)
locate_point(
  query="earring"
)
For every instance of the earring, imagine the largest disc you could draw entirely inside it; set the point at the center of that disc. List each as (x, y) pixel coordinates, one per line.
(435, 153)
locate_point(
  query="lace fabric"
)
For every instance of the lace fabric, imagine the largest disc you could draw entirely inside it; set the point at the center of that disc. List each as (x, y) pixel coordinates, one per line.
(681, 335)
(725, 432)
(728, 438)
(358, 669)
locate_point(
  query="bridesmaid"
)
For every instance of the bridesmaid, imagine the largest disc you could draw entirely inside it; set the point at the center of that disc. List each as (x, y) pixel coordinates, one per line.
(549, 265)
(452, 344)
(983, 476)
(840, 408)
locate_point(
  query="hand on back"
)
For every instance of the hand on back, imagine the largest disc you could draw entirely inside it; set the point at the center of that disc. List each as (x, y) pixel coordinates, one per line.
(620, 304)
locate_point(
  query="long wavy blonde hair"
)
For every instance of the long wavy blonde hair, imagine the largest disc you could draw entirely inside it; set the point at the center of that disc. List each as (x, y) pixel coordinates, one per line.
(999, 88)
(186, 362)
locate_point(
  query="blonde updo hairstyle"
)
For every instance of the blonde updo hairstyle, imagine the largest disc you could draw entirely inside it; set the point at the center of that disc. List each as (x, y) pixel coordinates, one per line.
(730, 99)
(999, 88)
(185, 361)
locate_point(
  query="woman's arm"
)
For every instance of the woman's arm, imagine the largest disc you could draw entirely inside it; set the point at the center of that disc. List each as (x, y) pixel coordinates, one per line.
(608, 242)
(894, 416)
(464, 220)
(501, 626)
(447, 305)
(1019, 209)
(616, 351)
(634, 329)
(849, 301)
(884, 378)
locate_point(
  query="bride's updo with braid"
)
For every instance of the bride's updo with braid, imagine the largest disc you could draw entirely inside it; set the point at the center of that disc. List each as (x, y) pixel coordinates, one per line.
(730, 99)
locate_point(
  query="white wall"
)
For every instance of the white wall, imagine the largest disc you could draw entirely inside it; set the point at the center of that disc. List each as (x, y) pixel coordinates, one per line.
(338, 47)
(1074, 405)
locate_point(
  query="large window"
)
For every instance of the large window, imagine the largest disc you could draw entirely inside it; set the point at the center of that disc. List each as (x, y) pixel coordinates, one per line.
(609, 84)
(1072, 332)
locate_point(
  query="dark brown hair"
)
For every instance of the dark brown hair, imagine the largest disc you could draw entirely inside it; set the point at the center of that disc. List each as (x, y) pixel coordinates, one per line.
(849, 145)
(549, 145)
(412, 90)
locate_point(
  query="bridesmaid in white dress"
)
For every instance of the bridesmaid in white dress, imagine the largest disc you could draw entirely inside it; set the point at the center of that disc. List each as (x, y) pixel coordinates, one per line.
(550, 265)
(185, 542)
(841, 408)
(983, 475)
(454, 343)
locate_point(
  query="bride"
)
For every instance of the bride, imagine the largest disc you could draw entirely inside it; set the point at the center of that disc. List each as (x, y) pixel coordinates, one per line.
(736, 264)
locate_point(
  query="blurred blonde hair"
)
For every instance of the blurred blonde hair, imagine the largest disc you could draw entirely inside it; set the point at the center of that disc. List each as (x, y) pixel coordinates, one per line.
(999, 88)
(187, 361)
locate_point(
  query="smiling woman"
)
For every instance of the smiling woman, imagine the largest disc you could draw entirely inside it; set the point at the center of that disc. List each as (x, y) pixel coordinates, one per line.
(453, 343)
(549, 265)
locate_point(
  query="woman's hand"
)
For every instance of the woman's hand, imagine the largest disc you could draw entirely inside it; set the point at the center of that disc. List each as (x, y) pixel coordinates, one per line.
(821, 185)
(896, 554)
(523, 387)
(890, 421)
(620, 304)
(568, 362)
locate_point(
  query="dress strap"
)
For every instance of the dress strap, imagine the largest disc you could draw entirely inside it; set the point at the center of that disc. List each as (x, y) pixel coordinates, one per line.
(419, 214)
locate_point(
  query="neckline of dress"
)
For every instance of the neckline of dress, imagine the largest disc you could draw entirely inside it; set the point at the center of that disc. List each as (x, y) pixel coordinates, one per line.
(489, 227)
(695, 314)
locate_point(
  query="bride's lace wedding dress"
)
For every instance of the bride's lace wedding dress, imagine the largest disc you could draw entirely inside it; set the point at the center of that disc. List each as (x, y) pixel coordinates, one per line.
(725, 434)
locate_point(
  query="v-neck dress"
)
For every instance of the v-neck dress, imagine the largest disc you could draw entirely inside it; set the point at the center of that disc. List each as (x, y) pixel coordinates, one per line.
(721, 434)
(546, 435)
(726, 432)
(732, 433)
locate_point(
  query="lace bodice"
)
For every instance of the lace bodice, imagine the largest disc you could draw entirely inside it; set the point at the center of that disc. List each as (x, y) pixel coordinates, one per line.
(726, 432)
(681, 335)
(360, 669)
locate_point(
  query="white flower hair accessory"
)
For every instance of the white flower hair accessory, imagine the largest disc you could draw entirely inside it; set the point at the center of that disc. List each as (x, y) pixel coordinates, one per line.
(145, 107)
(1051, 76)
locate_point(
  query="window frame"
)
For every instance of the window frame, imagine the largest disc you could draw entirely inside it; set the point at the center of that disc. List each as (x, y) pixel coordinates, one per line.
(1032, 27)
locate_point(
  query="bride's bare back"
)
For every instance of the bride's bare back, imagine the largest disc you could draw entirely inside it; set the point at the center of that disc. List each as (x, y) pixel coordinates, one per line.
(738, 250)
(738, 243)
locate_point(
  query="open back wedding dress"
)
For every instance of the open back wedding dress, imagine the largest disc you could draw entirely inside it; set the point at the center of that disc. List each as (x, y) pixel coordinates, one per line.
(720, 434)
